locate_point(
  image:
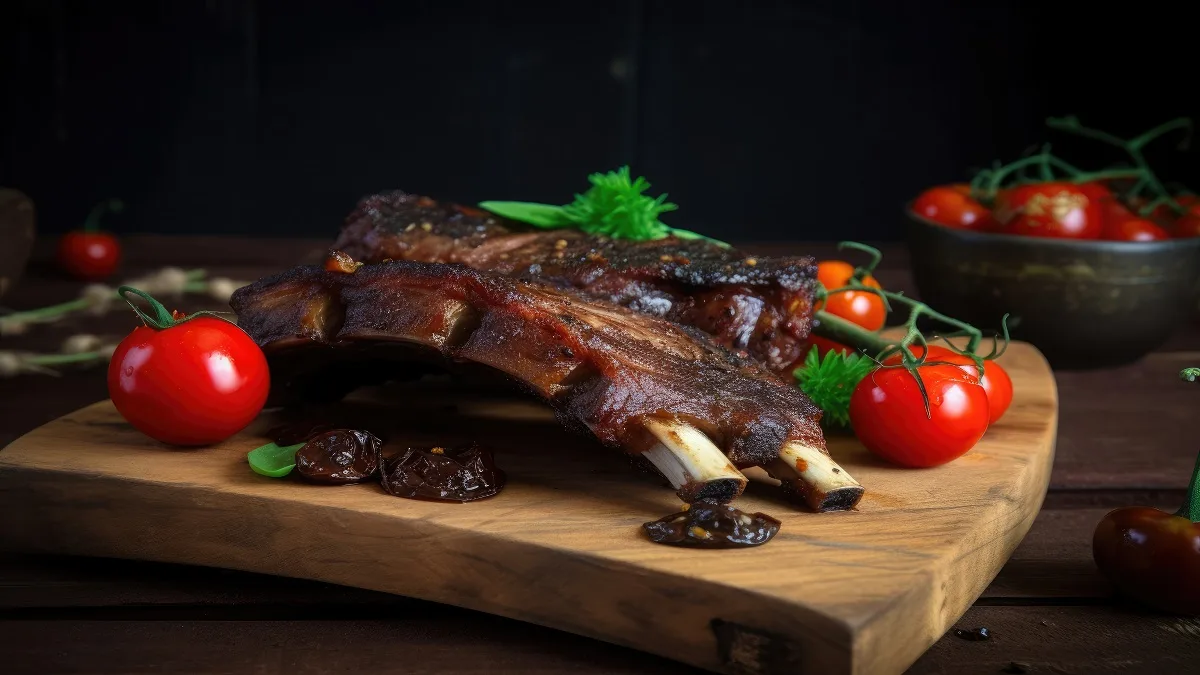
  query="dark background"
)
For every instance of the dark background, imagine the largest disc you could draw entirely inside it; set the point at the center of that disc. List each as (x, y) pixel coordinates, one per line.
(764, 121)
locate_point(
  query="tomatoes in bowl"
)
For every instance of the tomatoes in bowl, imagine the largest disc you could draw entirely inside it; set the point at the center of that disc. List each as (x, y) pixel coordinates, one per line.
(1188, 226)
(888, 415)
(1135, 229)
(1052, 209)
(953, 206)
(189, 381)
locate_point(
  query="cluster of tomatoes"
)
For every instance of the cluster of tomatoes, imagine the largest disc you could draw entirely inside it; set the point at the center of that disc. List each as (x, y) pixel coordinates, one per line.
(1063, 210)
(887, 409)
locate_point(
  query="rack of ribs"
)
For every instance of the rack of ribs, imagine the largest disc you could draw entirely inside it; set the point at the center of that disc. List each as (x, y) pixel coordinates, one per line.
(757, 305)
(696, 411)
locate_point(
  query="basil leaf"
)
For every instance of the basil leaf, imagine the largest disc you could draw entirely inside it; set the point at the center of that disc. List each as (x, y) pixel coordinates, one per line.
(272, 460)
(538, 215)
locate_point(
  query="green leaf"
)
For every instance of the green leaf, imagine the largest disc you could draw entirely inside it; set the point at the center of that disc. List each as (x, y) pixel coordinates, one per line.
(616, 207)
(830, 381)
(273, 460)
(531, 213)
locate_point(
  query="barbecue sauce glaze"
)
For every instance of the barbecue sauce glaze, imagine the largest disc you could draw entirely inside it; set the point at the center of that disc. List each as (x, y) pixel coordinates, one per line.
(706, 524)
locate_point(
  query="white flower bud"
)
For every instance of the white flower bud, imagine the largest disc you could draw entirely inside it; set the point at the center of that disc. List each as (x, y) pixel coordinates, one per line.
(170, 281)
(221, 288)
(98, 297)
(79, 344)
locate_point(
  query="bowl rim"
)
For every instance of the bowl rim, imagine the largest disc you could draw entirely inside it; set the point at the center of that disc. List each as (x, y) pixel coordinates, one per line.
(1099, 245)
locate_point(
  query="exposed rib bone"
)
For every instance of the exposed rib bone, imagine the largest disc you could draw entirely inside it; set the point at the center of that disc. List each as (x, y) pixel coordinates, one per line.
(815, 477)
(692, 463)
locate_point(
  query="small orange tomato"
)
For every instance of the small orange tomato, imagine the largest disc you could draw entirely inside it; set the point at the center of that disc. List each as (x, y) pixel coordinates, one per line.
(861, 307)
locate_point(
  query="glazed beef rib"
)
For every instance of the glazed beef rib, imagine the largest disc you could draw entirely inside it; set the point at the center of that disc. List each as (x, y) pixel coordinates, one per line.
(696, 411)
(760, 306)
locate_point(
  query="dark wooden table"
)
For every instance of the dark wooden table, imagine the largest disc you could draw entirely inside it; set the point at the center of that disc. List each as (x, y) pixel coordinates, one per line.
(1123, 439)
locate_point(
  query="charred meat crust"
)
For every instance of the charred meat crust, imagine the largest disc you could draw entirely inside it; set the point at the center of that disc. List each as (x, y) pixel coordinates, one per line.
(759, 305)
(603, 367)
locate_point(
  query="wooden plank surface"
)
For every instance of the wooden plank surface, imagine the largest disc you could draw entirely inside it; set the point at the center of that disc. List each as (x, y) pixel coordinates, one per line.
(866, 591)
(1050, 572)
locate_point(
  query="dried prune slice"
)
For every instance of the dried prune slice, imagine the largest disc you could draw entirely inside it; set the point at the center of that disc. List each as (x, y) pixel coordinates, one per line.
(461, 474)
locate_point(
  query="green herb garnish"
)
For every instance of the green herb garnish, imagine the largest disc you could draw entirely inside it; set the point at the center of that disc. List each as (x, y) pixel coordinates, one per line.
(830, 381)
(615, 206)
(273, 460)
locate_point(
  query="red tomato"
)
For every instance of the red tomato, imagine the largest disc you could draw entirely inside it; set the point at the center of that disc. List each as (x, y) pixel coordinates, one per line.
(952, 205)
(1188, 226)
(1166, 214)
(1095, 190)
(862, 307)
(89, 256)
(1114, 212)
(196, 382)
(1060, 210)
(1135, 229)
(887, 413)
(995, 381)
(824, 346)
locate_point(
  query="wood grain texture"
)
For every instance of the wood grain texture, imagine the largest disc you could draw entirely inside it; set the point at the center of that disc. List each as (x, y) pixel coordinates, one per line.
(856, 592)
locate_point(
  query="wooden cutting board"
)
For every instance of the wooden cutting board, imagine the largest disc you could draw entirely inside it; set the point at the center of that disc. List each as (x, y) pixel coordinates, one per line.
(866, 591)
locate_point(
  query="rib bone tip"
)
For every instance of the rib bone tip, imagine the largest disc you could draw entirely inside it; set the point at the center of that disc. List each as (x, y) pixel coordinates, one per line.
(692, 463)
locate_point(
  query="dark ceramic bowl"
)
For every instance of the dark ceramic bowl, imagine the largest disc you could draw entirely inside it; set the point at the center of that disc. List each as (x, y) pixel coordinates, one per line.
(1082, 303)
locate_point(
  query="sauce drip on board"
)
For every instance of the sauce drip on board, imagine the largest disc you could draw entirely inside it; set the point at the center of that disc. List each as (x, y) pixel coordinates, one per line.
(705, 524)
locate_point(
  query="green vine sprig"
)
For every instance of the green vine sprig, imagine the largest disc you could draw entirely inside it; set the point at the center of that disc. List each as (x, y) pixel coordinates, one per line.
(1133, 147)
(615, 206)
(987, 183)
(1189, 374)
(876, 347)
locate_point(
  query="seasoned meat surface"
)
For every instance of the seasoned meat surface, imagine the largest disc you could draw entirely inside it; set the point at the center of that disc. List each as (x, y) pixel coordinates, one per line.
(758, 306)
(605, 368)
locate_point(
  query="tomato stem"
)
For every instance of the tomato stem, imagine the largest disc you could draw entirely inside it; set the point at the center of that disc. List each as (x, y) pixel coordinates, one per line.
(1191, 503)
(162, 318)
(842, 331)
(63, 359)
(92, 224)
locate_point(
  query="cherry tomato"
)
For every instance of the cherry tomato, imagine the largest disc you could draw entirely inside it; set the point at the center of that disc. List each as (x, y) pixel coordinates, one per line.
(191, 382)
(1095, 190)
(1166, 214)
(888, 415)
(1135, 229)
(952, 205)
(1060, 210)
(995, 381)
(1188, 226)
(1114, 212)
(89, 256)
(862, 307)
(824, 346)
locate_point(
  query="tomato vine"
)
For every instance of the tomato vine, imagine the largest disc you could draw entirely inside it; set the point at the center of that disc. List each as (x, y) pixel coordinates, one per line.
(987, 183)
(877, 347)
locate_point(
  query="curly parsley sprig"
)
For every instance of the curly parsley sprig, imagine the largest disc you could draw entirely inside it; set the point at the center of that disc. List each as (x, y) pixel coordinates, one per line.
(830, 380)
(614, 206)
